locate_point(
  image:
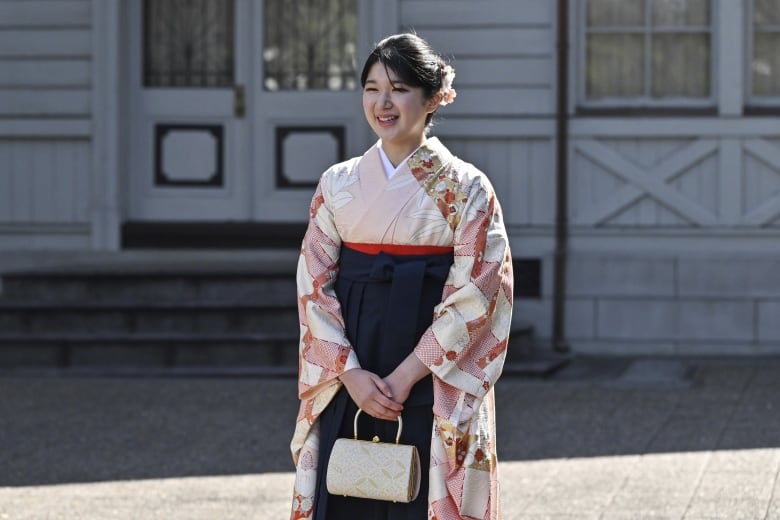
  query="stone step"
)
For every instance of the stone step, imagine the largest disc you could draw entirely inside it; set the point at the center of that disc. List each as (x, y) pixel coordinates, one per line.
(59, 287)
(132, 317)
(162, 305)
(156, 315)
(151, 350)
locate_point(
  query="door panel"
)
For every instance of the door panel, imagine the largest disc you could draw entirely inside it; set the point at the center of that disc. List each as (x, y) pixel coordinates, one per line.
(308, 113)
(188, 149)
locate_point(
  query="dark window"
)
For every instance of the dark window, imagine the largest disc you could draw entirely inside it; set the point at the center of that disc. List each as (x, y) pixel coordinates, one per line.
(765, 63)
(309, 44)
(528, 277)
(188, 43)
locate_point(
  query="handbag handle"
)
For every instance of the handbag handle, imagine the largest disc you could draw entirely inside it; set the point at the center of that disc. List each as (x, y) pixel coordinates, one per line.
(397, 435)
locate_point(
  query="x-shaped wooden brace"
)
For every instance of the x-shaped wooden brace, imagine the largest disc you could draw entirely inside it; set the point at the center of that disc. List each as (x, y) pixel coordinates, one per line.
(770, 209)
(651, 182)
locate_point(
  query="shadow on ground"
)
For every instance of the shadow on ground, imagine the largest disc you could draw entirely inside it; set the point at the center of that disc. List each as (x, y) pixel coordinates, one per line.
(64, 430)
(76, 429)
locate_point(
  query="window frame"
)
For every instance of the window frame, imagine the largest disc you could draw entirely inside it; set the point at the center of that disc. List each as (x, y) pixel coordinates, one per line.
(751, 100)
(645, 103)
(361, 19)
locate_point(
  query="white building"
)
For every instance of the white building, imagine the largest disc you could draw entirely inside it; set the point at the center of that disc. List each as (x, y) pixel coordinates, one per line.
(130, 122)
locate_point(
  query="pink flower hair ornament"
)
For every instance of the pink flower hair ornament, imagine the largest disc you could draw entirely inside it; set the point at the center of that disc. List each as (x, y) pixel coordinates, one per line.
(447, 92)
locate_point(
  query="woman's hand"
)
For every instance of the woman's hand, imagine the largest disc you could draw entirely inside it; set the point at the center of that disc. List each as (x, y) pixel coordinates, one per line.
(405, 376)
(400, 386)
(371, 394)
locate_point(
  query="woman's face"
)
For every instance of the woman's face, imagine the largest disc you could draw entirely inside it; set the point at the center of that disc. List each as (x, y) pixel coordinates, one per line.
(396, 111)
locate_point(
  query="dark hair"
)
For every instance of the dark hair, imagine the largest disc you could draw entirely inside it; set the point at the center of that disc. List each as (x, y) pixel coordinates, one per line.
(412, 59)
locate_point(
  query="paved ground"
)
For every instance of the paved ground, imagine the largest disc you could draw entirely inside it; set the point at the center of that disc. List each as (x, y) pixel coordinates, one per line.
(603, 438)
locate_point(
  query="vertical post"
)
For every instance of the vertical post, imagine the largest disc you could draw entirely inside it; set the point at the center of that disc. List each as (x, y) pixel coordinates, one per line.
(729, 48)
(559, 342)
(104, 191)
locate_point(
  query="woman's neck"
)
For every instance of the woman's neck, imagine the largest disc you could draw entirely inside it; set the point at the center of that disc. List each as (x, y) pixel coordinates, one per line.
(397, 153)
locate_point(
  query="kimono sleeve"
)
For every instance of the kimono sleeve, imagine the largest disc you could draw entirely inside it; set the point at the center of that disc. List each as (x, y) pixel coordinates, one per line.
(466, 344)
(324, 350)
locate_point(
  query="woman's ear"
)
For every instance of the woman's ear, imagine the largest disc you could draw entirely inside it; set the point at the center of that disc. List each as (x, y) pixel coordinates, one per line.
(433, 103)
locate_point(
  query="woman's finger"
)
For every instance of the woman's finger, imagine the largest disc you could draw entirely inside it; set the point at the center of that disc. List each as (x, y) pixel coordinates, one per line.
(383, 412)
(385, 395)
(382, 386)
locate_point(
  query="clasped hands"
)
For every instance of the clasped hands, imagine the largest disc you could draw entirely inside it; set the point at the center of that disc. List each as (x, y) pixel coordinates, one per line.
(383, 398)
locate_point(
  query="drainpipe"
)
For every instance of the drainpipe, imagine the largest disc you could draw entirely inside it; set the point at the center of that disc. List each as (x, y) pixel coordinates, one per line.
(559, 343)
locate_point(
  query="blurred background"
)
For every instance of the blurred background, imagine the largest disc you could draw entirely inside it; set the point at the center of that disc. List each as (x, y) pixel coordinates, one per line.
(157, 159)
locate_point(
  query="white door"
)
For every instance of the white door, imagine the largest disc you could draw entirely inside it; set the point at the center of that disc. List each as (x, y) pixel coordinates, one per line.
(188, 128)
(307, 112)
(237, 106)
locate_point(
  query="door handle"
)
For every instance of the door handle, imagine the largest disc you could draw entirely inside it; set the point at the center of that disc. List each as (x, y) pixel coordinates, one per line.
(239, 101)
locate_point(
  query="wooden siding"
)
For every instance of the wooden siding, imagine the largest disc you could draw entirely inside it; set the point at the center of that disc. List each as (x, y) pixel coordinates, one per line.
(45, 50)
(37, 13)
(504, 56)
(44, 181)
(416, 13)
(503, 52)
(45, 102)
(48, 73)
(520, 172)
(45, 123)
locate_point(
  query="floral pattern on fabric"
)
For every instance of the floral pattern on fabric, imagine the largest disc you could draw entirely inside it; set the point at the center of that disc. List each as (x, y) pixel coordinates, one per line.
(440, 185)
(436, 200)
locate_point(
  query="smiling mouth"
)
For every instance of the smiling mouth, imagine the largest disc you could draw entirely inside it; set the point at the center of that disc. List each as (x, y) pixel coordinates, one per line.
(386, 119)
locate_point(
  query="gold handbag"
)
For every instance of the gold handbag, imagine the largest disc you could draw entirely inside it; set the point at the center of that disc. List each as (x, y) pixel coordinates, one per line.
(373, 469)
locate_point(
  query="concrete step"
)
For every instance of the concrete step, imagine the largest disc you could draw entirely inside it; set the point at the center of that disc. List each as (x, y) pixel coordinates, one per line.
(160, 314)
(59, 287)
(137, 317)
(142, 311)
(148, 350)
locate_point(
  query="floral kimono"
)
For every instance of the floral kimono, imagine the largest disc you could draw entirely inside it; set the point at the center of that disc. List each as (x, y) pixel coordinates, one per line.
(435, 200)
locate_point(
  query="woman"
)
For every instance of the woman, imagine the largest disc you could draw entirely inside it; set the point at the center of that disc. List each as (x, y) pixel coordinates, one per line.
(405, 300)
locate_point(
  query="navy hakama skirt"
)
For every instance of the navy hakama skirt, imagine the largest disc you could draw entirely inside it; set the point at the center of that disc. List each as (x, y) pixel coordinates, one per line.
(387, 302)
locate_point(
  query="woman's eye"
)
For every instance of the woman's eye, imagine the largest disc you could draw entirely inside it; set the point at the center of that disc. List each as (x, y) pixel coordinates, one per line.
(399, 89)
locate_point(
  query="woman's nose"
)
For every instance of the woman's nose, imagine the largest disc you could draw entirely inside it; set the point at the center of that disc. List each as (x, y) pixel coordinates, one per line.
(384, 99)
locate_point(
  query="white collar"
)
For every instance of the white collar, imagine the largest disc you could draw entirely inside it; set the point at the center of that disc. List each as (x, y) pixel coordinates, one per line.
(390, 170)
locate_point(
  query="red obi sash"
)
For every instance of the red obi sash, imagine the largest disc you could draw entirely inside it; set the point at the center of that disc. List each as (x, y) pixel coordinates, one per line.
(397, 249)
